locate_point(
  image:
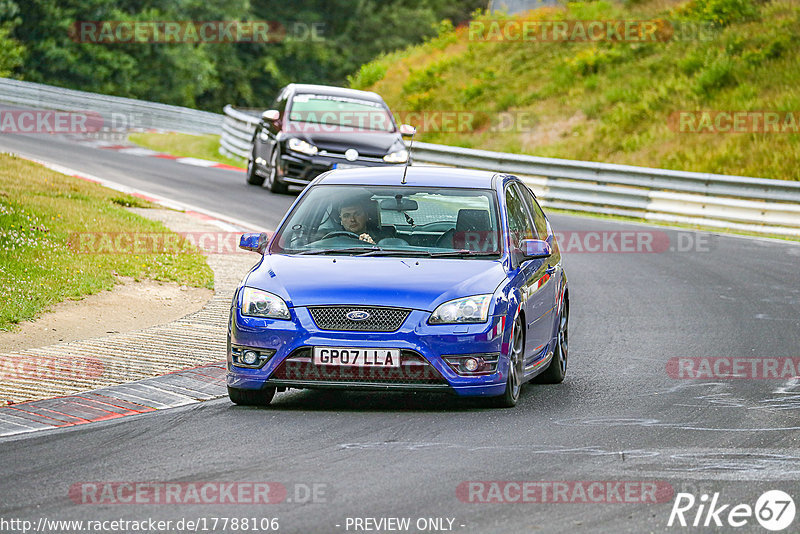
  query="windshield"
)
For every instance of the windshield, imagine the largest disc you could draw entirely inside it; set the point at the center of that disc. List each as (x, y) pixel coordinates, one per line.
(340, 113)
(392, 220)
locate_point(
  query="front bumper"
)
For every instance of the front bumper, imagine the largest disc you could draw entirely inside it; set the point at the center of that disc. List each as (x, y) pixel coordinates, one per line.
(422, 349)
(299, 169)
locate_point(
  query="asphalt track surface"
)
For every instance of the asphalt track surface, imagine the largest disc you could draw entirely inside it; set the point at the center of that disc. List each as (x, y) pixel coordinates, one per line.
(619, 416)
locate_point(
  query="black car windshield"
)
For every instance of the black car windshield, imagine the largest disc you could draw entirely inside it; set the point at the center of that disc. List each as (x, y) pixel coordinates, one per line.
(335, 113)
(392, 221)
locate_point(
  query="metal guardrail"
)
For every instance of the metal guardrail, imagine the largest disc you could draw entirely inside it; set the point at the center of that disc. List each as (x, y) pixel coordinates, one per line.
(237, 133)
(118, 113)
(737, 202)
(756, 205)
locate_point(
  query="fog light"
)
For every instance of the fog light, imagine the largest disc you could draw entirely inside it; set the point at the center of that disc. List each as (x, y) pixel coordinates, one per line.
(250, 357)
(471, 364)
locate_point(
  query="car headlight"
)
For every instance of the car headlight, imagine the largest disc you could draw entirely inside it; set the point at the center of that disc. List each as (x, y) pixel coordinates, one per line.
(257, 303)
(465, 310)
(298, 145)
(401, 156)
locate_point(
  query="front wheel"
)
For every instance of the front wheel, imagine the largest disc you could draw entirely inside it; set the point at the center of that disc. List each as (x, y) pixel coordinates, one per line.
(275, 185)
(252, 177)
(514, 383)
(251, 397)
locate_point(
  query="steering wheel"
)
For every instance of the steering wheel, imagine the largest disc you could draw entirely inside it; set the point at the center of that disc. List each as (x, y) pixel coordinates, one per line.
(340, 233)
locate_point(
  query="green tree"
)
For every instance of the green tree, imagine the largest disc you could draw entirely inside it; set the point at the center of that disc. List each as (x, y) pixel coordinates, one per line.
(39, 45)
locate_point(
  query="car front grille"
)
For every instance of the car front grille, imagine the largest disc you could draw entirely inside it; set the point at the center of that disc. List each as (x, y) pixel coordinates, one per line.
(413, 370)
(380, 319)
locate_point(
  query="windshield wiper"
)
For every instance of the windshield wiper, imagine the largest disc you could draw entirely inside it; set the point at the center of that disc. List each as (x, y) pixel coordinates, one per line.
(350, 250)
(394, 252)
(378, 251)
(458, 253)
(428, 253)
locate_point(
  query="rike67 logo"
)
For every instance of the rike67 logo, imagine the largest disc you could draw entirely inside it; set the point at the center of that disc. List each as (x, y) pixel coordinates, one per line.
(774, 510)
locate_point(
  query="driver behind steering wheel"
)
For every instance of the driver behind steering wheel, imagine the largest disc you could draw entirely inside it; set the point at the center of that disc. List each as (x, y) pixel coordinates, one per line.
(356, 217)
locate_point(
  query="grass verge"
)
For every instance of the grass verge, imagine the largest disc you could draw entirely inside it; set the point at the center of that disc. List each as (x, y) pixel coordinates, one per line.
(185, 146)
(39, 210)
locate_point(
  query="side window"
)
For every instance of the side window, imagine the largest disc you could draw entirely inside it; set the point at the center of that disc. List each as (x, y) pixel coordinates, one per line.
(539, 220)
(519, 223)
(280, 101)
(280, 104)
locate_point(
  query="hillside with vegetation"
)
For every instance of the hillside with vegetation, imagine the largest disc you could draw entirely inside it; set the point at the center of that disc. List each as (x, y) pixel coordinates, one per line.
(614, 100)
(315, 41)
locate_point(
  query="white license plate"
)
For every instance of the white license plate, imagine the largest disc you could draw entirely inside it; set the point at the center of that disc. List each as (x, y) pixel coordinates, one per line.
(356, 357)
(346, 166)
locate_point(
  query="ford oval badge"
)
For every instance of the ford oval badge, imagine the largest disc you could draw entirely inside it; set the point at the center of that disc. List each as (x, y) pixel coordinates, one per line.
(357, 315)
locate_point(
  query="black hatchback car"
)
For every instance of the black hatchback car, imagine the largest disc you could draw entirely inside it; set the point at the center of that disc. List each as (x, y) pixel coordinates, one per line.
(311, 129)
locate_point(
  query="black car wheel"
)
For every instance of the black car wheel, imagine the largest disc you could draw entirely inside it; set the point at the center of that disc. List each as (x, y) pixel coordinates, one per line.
(557, 369)
(275, 185)
(251, 397)
(515, 369)
(252, 177)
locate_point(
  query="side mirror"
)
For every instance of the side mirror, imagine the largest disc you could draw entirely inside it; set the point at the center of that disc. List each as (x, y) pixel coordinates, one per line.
(254, 242)
(407, 129)
(271, 115)
(534, 248)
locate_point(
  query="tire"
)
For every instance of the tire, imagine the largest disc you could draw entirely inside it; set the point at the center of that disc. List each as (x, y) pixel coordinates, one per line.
(557, 369)
(252, 177)
(275, 185)
(251, 397)
(515, 369)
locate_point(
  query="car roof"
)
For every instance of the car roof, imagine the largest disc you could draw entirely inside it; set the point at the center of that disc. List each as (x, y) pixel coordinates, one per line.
(416, 176)
(303, 88)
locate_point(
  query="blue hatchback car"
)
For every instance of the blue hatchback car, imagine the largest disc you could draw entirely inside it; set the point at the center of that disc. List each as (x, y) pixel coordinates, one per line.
(439, 280)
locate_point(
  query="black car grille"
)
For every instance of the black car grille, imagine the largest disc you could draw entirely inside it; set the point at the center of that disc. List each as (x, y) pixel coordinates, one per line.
(413, 370)
(379, 320)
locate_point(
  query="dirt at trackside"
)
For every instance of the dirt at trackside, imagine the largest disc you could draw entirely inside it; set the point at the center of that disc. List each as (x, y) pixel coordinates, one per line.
(127, 307)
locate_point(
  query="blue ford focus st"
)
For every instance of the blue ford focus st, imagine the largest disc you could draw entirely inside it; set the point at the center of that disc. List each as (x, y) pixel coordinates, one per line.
(439, 280)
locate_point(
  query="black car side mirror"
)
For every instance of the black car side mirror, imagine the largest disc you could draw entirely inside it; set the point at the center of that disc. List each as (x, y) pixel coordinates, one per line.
(271, 115)
(407, 130)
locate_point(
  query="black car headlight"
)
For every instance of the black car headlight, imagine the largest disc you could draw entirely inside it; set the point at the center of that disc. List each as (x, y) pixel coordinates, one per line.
(304, 147)
(258, 303)
(400, 156)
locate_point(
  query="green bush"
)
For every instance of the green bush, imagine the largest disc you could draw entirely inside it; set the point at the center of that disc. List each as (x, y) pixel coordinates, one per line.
(12, 53)
(718, 75)
(691, 63)
(592, 60)
(719, 13)
(369, 74)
